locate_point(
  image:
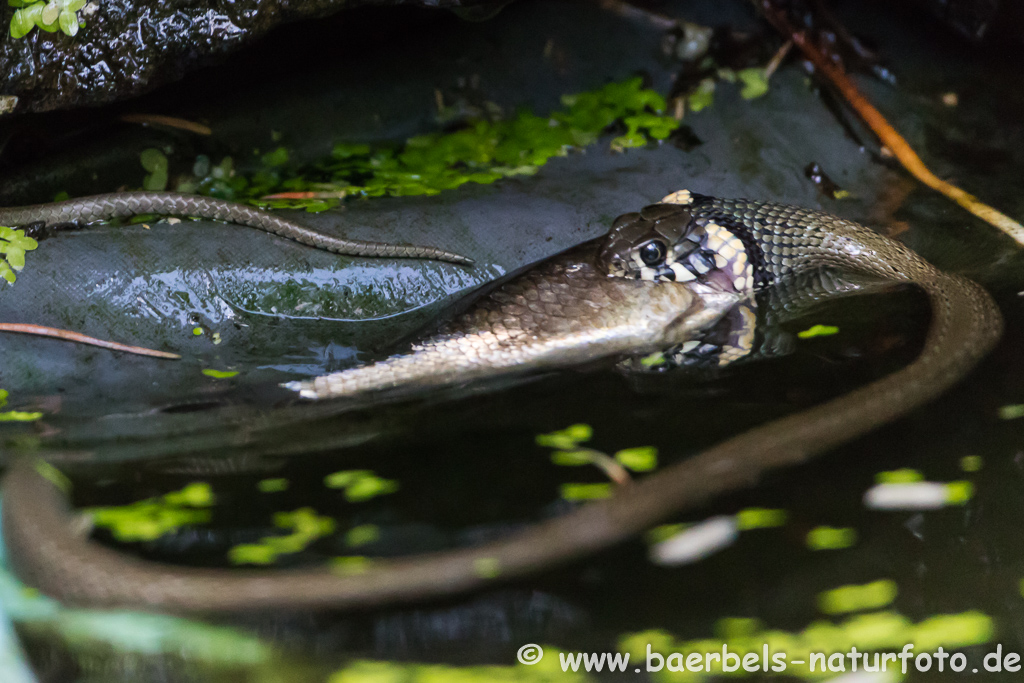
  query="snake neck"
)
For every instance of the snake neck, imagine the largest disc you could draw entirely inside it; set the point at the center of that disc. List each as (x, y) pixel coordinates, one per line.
(782, 241)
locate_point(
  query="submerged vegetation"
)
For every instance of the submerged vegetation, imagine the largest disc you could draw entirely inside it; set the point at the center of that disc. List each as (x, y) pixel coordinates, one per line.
(481, 151)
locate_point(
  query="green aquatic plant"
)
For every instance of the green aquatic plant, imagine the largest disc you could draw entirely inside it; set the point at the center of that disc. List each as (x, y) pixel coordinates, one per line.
(49, 15)
(360, 485)
(273, 485)
(15, 415)
(857, 598)
(831, 538)
(546, 670)
(880, 631)
(306, 527)
(150, 519)
(818, 331)
(13, 245)
(482, 151)
(220, 374)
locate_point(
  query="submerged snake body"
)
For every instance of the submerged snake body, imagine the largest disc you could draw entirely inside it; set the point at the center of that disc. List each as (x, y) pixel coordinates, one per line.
(126, 204)
(778, 241)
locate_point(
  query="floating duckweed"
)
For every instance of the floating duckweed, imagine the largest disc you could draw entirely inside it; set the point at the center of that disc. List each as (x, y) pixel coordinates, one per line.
(654, 360)
(487, 567)
(360, 485)
(818, 331)
(759, 518)
(639, 459)
(703, 96)
(905, 475)
(15, 415)
(306, 526)
(50, 16)
(19, 416)
(272, 485)
(1012, 412)
(971, 463)
(220, 374)
(197, 331)
(545, 670)
(831, 538)
(585, 491)
(566, 439)
(13, 245)
(481, 152)
(959, 492)
(856, 598)
(884, 631)
(196, 494)
(149, 519)
(362, 535)
(755, 83)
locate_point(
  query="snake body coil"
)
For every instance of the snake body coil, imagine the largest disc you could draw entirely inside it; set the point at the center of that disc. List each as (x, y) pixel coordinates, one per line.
(126, 204)
(778, 241)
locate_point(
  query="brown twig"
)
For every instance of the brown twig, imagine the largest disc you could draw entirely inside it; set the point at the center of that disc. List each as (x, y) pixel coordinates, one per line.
(625, 9)
(895, 142)
(169, 121)
(776, 61)
(54, 333)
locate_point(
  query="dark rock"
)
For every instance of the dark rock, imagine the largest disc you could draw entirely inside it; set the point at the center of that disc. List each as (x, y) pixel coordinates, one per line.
(126, 48)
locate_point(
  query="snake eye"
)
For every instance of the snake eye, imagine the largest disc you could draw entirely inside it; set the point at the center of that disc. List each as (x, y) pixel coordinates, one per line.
(653, 252)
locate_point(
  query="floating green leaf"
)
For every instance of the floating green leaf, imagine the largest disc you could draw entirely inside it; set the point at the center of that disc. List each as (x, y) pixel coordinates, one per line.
(306, 526)
(149, 519)
(1011, 412)
(585, 491)
(640, 459)
(760, 518)
(360, 485)
(818, 331)
(219, 374)
(831, 538)
(855, 598)
(272, 485)
(703, 96)
(901, 476)
(566, 439)
(755, 83)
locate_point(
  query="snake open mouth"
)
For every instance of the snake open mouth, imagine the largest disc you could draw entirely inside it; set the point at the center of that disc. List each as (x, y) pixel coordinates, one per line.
(662, 243)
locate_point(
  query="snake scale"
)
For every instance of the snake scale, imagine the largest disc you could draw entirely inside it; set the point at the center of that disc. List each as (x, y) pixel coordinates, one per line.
(126, 204)
(686, 241)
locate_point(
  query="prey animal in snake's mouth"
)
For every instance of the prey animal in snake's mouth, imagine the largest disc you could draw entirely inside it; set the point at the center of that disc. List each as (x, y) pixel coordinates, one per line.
(574, 308)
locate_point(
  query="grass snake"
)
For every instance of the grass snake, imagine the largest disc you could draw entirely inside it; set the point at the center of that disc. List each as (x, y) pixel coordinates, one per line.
(685, 242)
(125, 204)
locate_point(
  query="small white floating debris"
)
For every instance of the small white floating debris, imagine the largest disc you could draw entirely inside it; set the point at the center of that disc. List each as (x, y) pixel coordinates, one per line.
(696, 542)
(918, 495)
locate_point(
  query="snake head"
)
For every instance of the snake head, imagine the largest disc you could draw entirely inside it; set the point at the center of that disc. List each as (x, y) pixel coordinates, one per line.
(662, 242)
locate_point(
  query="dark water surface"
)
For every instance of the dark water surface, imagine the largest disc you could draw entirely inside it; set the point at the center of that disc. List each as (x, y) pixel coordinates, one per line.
(125, 429)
